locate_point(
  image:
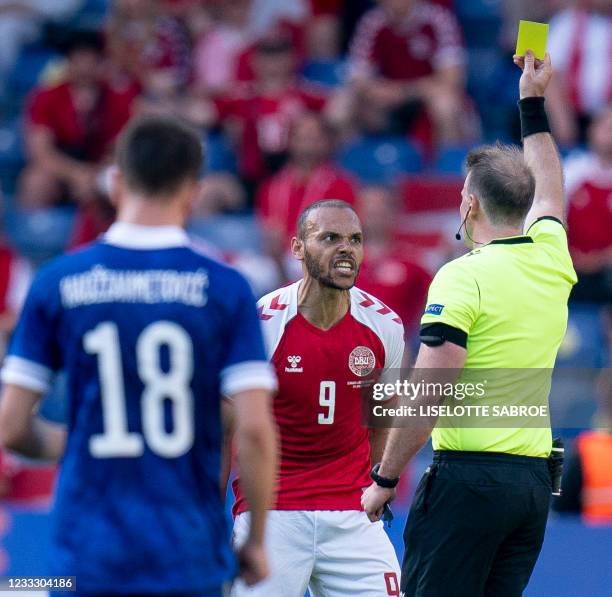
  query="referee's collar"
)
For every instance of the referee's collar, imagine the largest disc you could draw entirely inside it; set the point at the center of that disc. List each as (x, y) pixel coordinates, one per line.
(512, 240)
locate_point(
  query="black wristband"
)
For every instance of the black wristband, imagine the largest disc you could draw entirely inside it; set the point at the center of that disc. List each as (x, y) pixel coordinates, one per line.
(533, 116)
(382, 481)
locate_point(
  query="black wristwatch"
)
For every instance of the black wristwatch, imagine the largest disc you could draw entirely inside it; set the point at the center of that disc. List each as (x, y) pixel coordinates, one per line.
(382, 481)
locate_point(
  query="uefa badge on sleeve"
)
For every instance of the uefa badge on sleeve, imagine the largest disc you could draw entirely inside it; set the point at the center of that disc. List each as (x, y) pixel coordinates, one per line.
(362, 361)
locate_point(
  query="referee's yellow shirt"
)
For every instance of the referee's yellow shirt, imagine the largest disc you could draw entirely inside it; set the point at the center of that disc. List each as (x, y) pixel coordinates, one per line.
(510, 298)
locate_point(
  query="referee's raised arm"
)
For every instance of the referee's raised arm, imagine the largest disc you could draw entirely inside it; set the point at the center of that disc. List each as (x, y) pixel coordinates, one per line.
(539, 147)
(477, 521)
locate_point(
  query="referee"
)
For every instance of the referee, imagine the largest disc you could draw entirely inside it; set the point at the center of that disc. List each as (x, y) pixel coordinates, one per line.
(477, 521)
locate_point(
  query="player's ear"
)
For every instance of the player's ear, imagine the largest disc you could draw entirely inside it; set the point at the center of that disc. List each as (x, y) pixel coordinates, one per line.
(193, 197)
(297, 248)
(115, 184)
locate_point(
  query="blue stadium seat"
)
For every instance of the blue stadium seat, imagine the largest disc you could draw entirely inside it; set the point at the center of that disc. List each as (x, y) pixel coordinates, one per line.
(380, 160)
(12, 156)
(327, 73)
(450, 159)
(220, 156)
(481, 21)
(492, 81)
(228, 232)
(580, 358)
(584, 341)
(42, 234)
(90, 16)
(27, 70)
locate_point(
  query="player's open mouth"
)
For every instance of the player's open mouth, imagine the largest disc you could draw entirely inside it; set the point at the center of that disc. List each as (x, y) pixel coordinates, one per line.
(345, 266)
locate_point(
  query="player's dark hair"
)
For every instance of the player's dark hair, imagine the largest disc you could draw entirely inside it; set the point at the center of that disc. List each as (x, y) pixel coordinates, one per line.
(158, 154)
(303, 217)
(69, 41)
(501, 179)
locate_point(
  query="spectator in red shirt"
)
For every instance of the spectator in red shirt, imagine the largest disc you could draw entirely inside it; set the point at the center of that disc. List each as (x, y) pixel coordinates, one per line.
(148, 41)
(309, 176)
(387, 272)
(408, 54)
(218, 48)
(260, 113)
(15, 277)
(580, 43)
(588, 180)
(70, 127)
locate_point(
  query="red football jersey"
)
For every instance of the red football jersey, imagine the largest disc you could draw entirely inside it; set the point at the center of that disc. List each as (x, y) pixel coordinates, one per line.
(282, 198)
(87, 136)
(324, 446)
(588, 184)
(429, 40)
(265, 121)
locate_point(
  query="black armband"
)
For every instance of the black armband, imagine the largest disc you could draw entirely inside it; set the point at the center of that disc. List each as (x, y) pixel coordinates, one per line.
(533, 116)
(436, 334)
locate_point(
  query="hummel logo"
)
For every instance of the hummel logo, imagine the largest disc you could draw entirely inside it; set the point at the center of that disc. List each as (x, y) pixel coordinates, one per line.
(294, 360)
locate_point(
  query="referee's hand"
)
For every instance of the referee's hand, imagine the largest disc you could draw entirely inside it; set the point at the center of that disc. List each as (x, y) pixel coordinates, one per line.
(373, 500)
(536, 74)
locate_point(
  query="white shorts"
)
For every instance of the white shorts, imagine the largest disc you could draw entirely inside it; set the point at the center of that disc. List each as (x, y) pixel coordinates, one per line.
(332, 553)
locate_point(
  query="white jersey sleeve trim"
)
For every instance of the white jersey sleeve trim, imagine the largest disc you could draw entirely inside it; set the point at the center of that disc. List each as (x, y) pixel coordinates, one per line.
(276, 310)
(386, 324)
(249, 375)
(27, 374)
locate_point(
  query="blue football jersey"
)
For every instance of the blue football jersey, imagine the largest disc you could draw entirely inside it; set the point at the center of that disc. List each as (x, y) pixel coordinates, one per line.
(151, 333)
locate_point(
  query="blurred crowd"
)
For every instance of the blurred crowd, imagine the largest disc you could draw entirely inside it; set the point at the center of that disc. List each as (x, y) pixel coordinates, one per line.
(373, 102)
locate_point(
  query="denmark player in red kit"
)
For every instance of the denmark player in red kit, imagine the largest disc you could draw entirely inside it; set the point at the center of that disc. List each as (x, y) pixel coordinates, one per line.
(324, 336)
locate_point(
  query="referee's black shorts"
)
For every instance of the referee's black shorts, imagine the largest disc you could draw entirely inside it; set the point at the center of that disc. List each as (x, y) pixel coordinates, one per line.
(476, 525)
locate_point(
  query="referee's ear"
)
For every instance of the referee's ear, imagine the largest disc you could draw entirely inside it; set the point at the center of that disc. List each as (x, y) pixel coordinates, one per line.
(475, 206)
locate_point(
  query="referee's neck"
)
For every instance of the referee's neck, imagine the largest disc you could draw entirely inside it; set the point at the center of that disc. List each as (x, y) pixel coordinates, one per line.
(484, 232)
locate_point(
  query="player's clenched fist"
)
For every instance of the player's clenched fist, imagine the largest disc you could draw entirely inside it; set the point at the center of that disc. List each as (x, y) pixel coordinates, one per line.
(536, 74)
(253, 563)
(374, 499)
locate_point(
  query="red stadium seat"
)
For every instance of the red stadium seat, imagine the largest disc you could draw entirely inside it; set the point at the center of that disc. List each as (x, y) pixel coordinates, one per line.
(427, 194)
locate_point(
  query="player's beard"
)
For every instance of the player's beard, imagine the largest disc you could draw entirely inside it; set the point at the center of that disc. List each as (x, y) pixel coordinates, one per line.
(313, 267)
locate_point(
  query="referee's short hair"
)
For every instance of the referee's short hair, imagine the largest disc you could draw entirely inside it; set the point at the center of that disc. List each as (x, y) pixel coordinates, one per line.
(158, 154)
(502, 181)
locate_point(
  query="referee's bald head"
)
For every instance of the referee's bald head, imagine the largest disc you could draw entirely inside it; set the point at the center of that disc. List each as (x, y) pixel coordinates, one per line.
(502, 181)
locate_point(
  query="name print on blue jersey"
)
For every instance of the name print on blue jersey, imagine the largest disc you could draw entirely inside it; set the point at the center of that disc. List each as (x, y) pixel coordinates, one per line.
(101, 285)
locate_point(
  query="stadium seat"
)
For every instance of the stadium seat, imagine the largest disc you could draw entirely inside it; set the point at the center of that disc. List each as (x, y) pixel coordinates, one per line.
(579, 361)
(427, 194)
(480, 20)
(41, 234)
(220, 156)
(90, 16)
(380, 160)
(583, 345)
(492, 82)
(12, 156)
(227, 232)
(450, 160)
(27, 70)
(329, 73)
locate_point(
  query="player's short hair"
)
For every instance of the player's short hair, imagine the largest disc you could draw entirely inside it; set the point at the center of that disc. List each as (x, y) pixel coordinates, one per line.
(501, 179)
(158, 154)
(303, 217)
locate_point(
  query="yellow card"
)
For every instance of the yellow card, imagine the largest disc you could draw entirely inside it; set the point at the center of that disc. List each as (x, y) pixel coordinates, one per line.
(532, 36)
